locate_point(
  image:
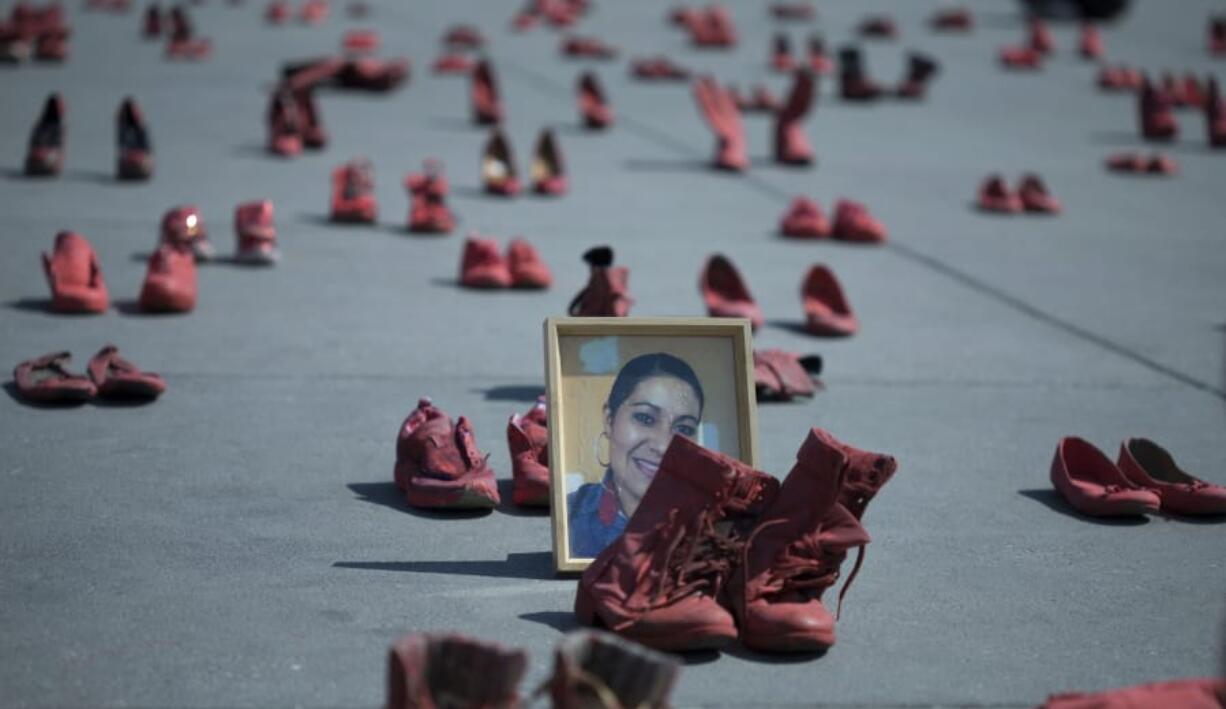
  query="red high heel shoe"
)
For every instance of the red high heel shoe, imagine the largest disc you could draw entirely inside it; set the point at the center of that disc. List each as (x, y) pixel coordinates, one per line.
(827, 312)
(791, 145)
(498, 166)
(487, 109)
(135, 159)
(428, 212)
(594, 108)
(353, 193)
(724, 118)
(548, 169)
(819, 60)
(607, 291)
(725, 293)
(74, 275)
(45, 156)
(1035, 197)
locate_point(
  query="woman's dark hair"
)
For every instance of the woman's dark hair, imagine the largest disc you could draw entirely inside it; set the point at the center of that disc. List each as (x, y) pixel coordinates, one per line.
(657, 364)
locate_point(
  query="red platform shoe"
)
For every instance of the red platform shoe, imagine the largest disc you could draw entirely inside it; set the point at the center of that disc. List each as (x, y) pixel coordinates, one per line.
(428, 212)
(1091, 483)
(854, 82)
(310, 123)
(952, 19)
(257, 234)
(853, 222)
(45, 156)
(74, 276)
(607, 291)
(548, 168)
(805, 220)
(1021, 58)
(995, 196)
(791, 145)
(487, 108)
(170, 282)
(498, 173)
(781, 54)
(878, 27)
(135, 160)
(438, 464)
(527, 269)
(819, 59)
(783, 376)
(528, 439)
(183, 228)
(482, 265)
(827, 312)
(284, 124)
(1091, 43)
(451, 63)
(116, 378)
(920, 71)
(724, 118)
(46, 380)
(151, 27)
(725, 293)
(353, 193)
(1215, 114)
(1035, 198)
(1149, 466)
(437, 671)
(1154, 109)
(594, 108)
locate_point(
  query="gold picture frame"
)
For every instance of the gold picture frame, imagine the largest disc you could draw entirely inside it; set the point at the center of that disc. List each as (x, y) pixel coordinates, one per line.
(584, 361)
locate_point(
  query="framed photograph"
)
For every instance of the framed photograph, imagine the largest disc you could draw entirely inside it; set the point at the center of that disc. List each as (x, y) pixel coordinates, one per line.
(618, 390)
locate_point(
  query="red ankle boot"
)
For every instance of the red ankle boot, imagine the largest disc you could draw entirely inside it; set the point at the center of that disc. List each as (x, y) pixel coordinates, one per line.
(438, 464)
(725, 293)
(183, 228)
(170, 282)
(606, 294)
(724, 118)
(353, 193)
(487, 108)
(498, 171)
(428, 212)
(594, 669)
(75, 276)
(920, 70)
(256, 233)
(528, 440)
(791, 145)
(827, 312)
(594, 109)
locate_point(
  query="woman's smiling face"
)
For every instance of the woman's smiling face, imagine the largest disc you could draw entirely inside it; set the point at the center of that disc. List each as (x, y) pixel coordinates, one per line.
(640, 430)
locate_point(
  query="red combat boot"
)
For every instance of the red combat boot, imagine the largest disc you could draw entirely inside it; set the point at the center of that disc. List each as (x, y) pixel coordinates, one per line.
(428, 212)
(1215, 114)
(353, 193)
(724, 118)
(548, 168)
(528, 440)
(256, 231)
(591, 668)
(725, 293)
(135, 159)
(791, 145)
(74, 276)
(487, 108)
(445, 671)
(1157, 117)
(170, 282)
(438, 464)
(607, 293)
(46, 152)
(594, 108)
(657, 584)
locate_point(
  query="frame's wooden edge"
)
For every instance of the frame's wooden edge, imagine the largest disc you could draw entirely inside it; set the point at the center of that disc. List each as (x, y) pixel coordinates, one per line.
(557, 495)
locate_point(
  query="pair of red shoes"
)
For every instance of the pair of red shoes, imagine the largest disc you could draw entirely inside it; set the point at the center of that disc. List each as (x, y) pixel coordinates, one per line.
(484, 267)
(46, 380)
(182, 42)
(594, 109)
(428, 211)
(658, 68)
(577, 47)
(1138, 163)
(717, 551)
(709, 27)
(41, 29)
(45, 156)
(819, 60)
(294, 121)
(1030, 55)
(719, 109)
(255, 231)
(353, 193)
(500, 177)
(852, 222)
(484, 94)
(1031, 196)
(1144, 480)
(827, 312)
(607, 293)
(855, 84)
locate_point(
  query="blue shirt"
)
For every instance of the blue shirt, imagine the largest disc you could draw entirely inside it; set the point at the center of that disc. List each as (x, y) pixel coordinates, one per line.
(596, 517)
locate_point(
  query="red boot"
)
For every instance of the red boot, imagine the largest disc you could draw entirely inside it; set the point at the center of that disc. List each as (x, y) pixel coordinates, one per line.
(428, 212)
(482, 265)
(135, 159)
(170, 282)
(1035, 197)
(1155, 110)
(46, 151)
(1091, 483)
(151, 28)
(487, 108)
(312, 128)
(1217, 36)
(183, 228)
(852, 222)
(116, 378)
(257, 234)
(353, 193)
(498, 167)
(724, 118)
(438, 464)
(442, 671)
(827, 312)
(657, 584)
(805, 220)
(548, 168)
(854, 82)
(1215, 114)
(920, 70)
(607, 293)
(74, 276)
(46, 380)
(995, 196)
(725, 293)
(1091, 44)
(284, 125)
(527, 269)
(528, 439)
(791, 145)
(594, 109)
(781, 54)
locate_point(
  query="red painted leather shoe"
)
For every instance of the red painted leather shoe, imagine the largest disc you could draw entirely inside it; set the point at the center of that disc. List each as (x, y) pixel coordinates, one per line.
(313, 12)
(854, 83)
(607, 293)
(1156, 114)
(1217, 36)
(1137, 163)
(311, 124)
(116, 378)
(597, 669)
(46, 380)
(498, 173)
(781, 54)
(995, 196)
(527, 269)
(1035, 197)
(482, 265)
(528, 440)
(594, 108)
(920, 71)
(819, 59)
(827, 312)
(45, 156)
(548, 168)
(438, 464)
(1021, 58)
(1200, 693)
(795, 11)
(1149, 466)
(277, 12)
(1091, 43)
(658, 68)
(725, 293)
(1091, 483)
(436, 671)
(370, 74)
(586, 48)
(1039, 36)
(852, 222)
(723, 117)
(284, 124)
(464, 37)
(1174, 90)
(1215, 114)
(183, 228)
(805, 220)
(487, 108)
(452, 63)
(783, 376)
(657, 583)
(257, 233)
(151, 27)
(74, 276)
(135, 160)
(170, 282)
(791, 145)
(878, 27)
(1159, 164)
(428, 212)
(353, 193)
(952, 19)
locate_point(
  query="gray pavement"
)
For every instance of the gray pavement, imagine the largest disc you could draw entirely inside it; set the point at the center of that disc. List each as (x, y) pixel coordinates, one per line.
(239, 543)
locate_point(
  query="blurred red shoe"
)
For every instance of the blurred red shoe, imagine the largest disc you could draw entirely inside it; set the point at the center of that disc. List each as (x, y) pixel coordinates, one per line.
(782, 376)
(74, 276)
(799, 11)
(1194, 95)
(1174, 90)
(878, 26)
(725, 293)
(464, 37)
(45, 156)
(360, 41)
(607, 291)
(791, 145)
(183, 43)
(353, 193)
(135, 151)
(852, 222)
(952, 19)
(548, 168)
(116, 378)
(1160, 164)
(781, 53)
(46, 380)
(805, 220)
(1119, 78)
(52, 45)
(487, 108)
(1215, 114)
(994, 196)
(854, 82)
(428, 212)
(482, 265)
(827, 312)
(1034, 196)
(183, 228)
(1092, 485)
(586, 48)
(370, 74)
(527, 269)
(311, 127)
(714, 29)
(1091, 43)
(819, 60)
(1024, 58)
(170, 282)
(1039, 36)
(277, 12)
(436, 670)
(313, 12)
(723, 117)
(1149, 466)
(307, 75)
(594, 109)
(528, 440)
(284, 124)
(152, 25)
(658, 68)
(452, 64)
(256, 233)
(438, 464)
(498, 174)
(1199, 693)
(920, 70)
(1154, 109)
(1217, 36)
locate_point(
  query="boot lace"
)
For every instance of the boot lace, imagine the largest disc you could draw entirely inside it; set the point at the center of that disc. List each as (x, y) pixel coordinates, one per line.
(805, 567)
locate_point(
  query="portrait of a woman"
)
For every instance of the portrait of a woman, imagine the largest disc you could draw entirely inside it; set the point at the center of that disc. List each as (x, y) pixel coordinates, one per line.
(653, 397)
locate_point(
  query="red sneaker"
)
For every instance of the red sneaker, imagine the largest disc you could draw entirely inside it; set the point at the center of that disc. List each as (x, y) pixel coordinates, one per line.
(183, 228)
(116, 378)
(277, 12)
(135, 161)
(487, 108)
(170, 282)
(797, 11)
(1154, 109)
(438, 464)
(827, 312)
(952, 19)
(920, 70)
(607, 291)
(805, 220)
(1024, 58)
(45, 380)
(1035, 198)
(284, 124)
(586, 48)
(854, 83)
(1091, 483)
(1148, 465)
(781, 54)
(353, 193)
(724, 118)
(74, 276)
(498, 166)
(482, 265)
(370, 74)
(725, 293)
(819, 60)
(451, 63)
(594, 109)
(428, 212)
(152, 25)
(994, 196)
(548, 168)
(528, 439)
(783, 376)
(658, 68)
(430, 671)
(879, 27)
(526, 267)
(464, 37)
(1215, 114)
(1039, 36)
(1091, 43)
(257, 233)
(791, 145)
(852, 222)
(311, 124)
(46, 152)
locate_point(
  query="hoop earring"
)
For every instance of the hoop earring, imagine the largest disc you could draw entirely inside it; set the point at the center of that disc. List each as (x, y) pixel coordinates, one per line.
(596, 449)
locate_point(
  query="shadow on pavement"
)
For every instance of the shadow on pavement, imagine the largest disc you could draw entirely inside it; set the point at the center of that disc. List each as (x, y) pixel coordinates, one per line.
(33, 305)
(535, 565)
(512, 392)
(561, 621)
(1055, 502)
(508, 507)
(772, 658)
(10, 388)
(388, 495)
(653, 165)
